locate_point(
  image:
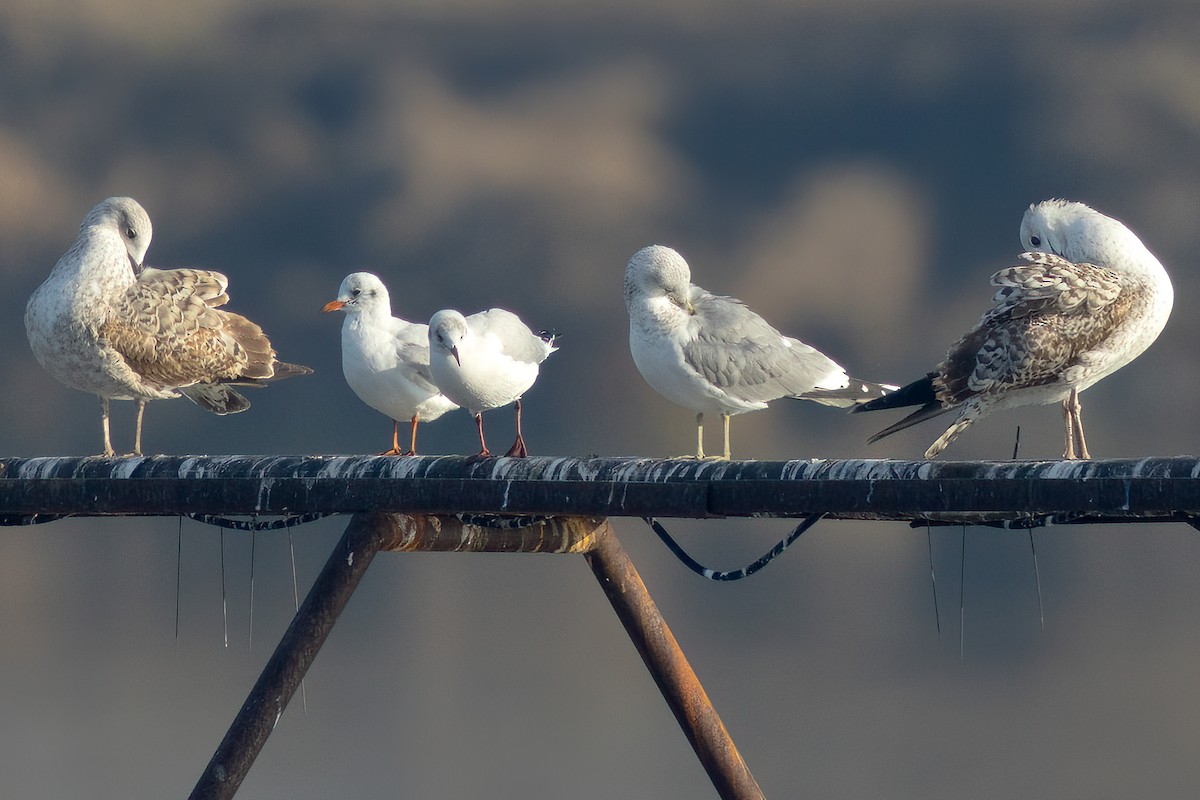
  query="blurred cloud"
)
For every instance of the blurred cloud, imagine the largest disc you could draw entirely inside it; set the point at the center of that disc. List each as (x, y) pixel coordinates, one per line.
(583, 141)
(845, 252)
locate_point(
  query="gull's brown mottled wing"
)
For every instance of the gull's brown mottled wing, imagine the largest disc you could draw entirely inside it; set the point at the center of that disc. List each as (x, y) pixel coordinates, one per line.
(1047, 314)
(170, 331)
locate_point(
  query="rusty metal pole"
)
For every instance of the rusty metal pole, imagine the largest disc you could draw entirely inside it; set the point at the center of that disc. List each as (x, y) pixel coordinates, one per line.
(364, 537)
(670, 668)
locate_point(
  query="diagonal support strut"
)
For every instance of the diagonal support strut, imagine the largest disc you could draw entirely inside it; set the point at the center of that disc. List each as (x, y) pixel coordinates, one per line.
(670, 668)
(292, 657)
(369, 533)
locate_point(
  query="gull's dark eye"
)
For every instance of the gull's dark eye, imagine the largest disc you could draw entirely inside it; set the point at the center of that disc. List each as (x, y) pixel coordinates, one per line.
(356, 292)
(1036, 241)
(130, 233)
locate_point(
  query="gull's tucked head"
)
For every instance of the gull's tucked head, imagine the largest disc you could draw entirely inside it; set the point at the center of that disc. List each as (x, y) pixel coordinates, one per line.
(448, 330)
(361, 292)
(1082, 235)
(658, 271)
(125, 217)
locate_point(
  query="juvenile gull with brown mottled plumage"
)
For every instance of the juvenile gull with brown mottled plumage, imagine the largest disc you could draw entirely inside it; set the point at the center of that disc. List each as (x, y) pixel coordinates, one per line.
(103, 324)
(1085, 301)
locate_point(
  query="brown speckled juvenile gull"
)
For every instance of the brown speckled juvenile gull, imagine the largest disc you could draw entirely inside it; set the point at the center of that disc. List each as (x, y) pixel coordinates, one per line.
(1085, 301)
(102, 323)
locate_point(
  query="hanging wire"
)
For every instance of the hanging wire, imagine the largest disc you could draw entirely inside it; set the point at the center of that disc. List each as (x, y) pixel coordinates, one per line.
(224, 603)
(937, 616)
(1037, 579)
(296, 602)
(178, 577)
(250, 631)
(737, 574)
(962, 597)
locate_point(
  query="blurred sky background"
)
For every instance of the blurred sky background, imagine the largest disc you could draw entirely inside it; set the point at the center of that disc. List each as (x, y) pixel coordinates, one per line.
(853, 169)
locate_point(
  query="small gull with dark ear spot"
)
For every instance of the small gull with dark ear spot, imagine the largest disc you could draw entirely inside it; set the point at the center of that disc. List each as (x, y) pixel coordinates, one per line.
(386, 359)
(486, 361)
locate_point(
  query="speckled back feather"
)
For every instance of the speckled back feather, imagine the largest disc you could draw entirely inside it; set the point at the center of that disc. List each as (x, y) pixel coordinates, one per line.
(1047, 315)
(168, 326)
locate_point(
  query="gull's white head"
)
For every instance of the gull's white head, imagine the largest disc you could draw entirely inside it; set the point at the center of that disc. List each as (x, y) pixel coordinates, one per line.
(1083, 235)
(361, 292)
(658, 271)
(448, 330)
(125, 217)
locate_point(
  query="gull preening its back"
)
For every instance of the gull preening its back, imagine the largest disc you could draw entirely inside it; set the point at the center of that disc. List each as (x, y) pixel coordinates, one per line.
(486, 361)
(386, 359)
(712, 354)
(1086, 299)
(102, 323)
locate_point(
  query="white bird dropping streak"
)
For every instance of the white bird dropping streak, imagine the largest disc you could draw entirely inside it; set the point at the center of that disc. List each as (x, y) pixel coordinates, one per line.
(1085, 300)
(486, 361)
(105, 324)
(712, 354)
(386, 359)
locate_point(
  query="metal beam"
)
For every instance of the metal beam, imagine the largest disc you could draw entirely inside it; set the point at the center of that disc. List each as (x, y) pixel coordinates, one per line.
(1151, 488)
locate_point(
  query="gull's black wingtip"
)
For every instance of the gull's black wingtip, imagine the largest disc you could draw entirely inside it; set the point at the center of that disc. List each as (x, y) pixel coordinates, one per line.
(927, 411)
(918, 393)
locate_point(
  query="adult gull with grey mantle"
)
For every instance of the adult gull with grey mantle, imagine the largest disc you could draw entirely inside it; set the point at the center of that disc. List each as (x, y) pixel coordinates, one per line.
(710, 353)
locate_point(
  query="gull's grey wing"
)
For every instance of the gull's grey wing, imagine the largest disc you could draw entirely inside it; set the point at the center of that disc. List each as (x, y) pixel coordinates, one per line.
(518, 341)
(414, 357)
(737, 350)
